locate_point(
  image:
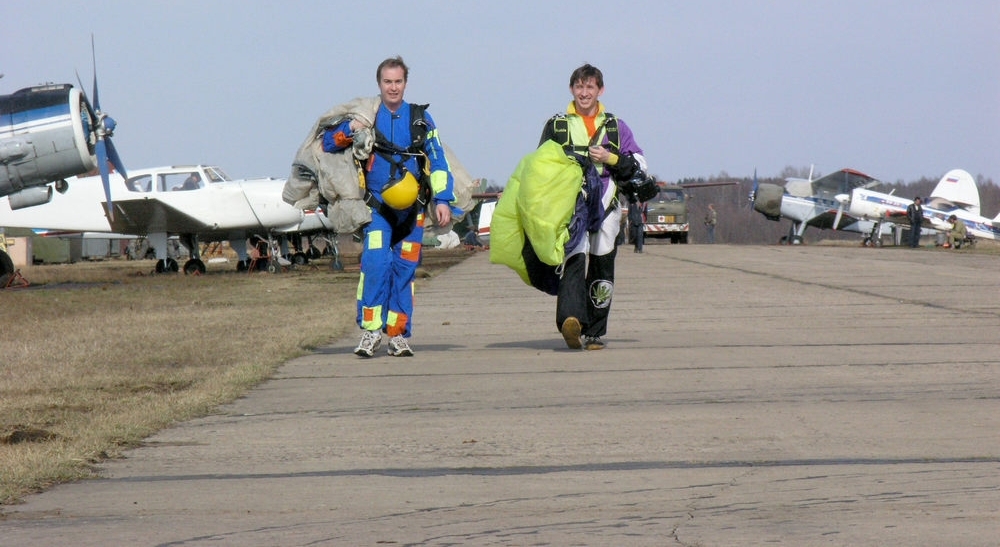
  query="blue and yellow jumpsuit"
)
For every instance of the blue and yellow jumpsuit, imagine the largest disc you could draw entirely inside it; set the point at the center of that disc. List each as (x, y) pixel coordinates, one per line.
(392, 241)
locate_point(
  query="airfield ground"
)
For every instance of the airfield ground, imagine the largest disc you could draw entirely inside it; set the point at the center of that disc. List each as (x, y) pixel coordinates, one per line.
(809, 395)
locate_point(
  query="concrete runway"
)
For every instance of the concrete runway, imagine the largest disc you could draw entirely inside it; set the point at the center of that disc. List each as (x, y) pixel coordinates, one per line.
(799, 396)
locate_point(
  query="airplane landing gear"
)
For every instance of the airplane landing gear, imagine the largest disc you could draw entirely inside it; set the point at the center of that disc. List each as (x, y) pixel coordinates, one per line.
(194, 267)
(6, 269)
(167, 265)
(874, 238)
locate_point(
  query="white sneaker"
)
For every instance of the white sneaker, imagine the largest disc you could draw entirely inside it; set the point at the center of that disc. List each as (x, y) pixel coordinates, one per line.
(369, 344)
(399, 347)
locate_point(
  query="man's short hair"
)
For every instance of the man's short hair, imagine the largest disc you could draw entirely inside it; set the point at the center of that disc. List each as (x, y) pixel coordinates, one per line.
(392, 62)
(586, 72)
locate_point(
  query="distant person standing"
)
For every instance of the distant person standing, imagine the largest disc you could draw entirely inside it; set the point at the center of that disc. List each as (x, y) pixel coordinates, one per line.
(636, 223)
(711, 219)
(915, 214)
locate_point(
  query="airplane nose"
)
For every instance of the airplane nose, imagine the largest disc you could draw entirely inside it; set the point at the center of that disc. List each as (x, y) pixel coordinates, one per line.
(767, 200)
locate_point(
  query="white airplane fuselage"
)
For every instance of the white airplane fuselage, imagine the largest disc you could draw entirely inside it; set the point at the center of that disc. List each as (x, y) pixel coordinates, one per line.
(196, 202)
(216, 208)
(882, 207)
(802, 209)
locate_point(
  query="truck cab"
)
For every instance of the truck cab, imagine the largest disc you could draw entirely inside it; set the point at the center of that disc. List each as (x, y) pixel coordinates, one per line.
(667, 214)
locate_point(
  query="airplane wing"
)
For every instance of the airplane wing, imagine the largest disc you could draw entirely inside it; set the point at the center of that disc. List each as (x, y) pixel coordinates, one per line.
(707, 184)
(825, 220)
(142, 216)
(218, 208)
(843, 181)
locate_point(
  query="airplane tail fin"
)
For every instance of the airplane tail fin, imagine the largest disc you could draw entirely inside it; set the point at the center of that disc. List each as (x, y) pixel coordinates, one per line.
(958, 187)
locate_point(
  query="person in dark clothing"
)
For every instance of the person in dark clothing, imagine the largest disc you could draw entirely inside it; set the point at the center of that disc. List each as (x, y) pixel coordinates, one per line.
(711, 219)
(915, 214)
(636, 223)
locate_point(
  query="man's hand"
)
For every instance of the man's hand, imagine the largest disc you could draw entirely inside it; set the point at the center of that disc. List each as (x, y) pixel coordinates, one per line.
(443, 211)
(599, 154)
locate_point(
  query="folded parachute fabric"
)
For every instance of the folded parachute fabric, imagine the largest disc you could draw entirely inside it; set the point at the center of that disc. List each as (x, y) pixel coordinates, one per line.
(534, 212)
(336, 176)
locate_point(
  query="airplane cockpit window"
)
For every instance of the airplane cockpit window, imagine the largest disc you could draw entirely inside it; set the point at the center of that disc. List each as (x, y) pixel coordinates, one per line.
(170, 182)
(143, 183)
(215, 174)
(193, 182)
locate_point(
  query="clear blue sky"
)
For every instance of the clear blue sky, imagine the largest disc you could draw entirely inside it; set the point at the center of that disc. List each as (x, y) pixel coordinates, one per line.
(897, 89)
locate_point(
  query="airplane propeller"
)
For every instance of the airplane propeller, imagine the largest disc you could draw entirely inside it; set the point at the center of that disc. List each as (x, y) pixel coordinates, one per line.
(102, 127)
(843, 200)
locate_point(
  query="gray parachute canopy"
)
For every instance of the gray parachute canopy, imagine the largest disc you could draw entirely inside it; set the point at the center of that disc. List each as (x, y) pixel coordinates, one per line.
(336, 176)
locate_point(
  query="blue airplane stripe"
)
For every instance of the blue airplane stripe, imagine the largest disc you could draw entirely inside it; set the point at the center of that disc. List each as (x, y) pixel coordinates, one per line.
(39, 113)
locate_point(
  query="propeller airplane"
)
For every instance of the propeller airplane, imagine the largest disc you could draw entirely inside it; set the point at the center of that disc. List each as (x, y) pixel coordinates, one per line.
(809, 202)
(49, 133)
(198, 203)
(955, 194)
(844, 201)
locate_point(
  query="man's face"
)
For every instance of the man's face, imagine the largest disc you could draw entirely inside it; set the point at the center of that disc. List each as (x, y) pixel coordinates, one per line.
(585, 95)
(391, 86)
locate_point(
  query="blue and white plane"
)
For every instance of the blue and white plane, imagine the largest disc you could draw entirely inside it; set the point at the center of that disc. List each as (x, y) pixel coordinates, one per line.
(955, 194)
(809, 202)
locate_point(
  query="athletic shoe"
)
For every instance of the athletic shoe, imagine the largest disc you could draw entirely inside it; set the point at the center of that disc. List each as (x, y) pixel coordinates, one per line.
(399, 347)
(594, 342)
(369, 344)
(571, 332)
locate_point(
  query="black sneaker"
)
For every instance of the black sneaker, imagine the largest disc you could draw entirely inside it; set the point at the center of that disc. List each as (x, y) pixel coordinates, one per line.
(594, 343)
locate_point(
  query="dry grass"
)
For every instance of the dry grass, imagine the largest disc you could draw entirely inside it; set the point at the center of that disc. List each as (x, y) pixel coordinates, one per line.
(95, 357)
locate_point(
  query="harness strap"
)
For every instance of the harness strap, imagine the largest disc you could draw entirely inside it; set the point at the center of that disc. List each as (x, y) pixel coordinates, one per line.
(560, 128)
(389, 151)
(400, 227)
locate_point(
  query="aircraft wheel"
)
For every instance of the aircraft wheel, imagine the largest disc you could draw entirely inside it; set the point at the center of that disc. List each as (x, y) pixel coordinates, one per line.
(300, 259)
(273, 267)
(168, 265)
(193, 267)
(313, 253)
(796, 240)
(6, 269)
(336, 265)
